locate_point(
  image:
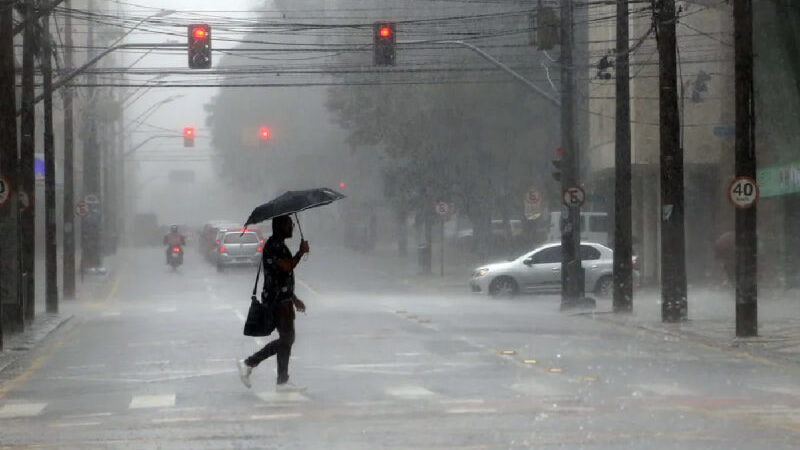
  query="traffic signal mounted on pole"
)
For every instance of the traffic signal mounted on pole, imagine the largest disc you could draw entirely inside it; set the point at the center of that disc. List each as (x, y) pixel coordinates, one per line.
(557, 165)
(188, 137)
(199, 46)
(384, 40)
(264, 134)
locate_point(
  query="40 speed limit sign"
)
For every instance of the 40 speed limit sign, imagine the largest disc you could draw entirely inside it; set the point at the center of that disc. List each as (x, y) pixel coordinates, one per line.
(743, 192)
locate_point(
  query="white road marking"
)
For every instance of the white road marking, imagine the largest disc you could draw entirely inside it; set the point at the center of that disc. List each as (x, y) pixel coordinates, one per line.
(409, 392)
(152, 363)
(167, 309)
(408, 354)
(666, 390)
(221, 359)
(14, 410)
(152, 401)
(368, 403)
(463, 401)
(86, 416)
(306, 286)
(184, 409)
(276, 416)
(111, 314)
(784, 390)
(260, 341)
(240, 315)
(471, 411)
(87, 366)
(74, 424)
(272, 396)
(177, 419)
(221, 307)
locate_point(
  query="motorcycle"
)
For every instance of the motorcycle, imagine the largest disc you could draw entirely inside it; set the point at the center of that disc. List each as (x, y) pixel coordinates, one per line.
(175, 257)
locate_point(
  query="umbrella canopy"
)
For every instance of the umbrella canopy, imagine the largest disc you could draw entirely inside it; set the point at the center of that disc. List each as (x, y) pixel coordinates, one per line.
(292, 202)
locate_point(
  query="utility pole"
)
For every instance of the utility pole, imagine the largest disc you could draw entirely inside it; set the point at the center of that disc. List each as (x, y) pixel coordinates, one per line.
(51, 247)
(623, 252)
(572, 281)
(27, 170)
(9, 167)
(91, 238)
(746, 219)
(68, 262)
(673, 244)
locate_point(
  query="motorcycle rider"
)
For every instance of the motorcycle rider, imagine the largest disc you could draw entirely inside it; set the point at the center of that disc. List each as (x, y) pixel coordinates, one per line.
(174, 239)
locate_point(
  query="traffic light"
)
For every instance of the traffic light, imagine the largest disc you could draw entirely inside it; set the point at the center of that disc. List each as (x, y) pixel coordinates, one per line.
(264, 134)
(384, 40)
(342, 185)
(188, 136)
(557, 165)
(199, 46)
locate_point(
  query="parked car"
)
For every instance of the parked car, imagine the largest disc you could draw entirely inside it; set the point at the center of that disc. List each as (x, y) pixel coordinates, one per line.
(237, 248)
(539, 271)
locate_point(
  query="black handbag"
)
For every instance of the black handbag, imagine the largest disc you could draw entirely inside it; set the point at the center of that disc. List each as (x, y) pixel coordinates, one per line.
(260, 318)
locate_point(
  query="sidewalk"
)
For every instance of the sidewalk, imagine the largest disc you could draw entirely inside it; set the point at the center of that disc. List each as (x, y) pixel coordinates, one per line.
(712, 321)
(92, 287)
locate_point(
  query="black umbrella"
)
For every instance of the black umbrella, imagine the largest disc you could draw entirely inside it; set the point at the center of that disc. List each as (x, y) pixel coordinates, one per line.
(292, 202)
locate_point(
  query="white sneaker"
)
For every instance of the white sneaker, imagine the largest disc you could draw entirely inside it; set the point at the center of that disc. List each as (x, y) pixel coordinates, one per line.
(244, 373)
(289, 387)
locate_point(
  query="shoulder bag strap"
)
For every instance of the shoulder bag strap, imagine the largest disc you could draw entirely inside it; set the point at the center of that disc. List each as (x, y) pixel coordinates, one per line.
(258, 274)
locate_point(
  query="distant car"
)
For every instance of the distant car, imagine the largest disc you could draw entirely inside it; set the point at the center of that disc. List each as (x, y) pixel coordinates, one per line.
(209, 241)
(539, 271)
(237, 248)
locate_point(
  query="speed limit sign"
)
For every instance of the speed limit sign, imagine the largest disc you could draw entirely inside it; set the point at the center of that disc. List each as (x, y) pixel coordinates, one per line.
(5, 190)
(743, 192)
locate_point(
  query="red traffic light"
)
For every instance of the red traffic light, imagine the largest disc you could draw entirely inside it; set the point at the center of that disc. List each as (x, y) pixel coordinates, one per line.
(188, 132)
(264, 133)
(385, 32)
(199, 33)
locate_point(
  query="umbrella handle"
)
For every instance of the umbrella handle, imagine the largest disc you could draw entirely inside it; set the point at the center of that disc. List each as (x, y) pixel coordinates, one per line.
(302, 238)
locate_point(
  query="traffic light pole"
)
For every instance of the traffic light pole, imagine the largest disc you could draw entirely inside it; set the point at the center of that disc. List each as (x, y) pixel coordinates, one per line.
(623, 251)
(572, 276)
(746, 219)
(673, 245)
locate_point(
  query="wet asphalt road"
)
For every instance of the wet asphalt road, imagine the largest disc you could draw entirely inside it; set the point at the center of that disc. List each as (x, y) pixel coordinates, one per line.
(388, 365)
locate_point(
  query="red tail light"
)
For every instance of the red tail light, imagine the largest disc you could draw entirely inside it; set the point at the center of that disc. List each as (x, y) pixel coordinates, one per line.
(222, 249)
(176, 249)
(260, 248)
(261, 241)
(217, 242)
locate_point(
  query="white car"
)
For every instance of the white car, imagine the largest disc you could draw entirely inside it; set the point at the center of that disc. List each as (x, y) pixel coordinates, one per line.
(539, 271)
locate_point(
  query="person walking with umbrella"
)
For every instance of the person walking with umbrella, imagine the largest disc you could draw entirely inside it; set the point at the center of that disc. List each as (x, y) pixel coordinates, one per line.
(279, 265)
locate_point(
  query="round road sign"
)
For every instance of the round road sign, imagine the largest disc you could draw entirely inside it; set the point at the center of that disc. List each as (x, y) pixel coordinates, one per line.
(442, 208)
(81, 209)
(5, 190)
(573, 196)
(743, 192)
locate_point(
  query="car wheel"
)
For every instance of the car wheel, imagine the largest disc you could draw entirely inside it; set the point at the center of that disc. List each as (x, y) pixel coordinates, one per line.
(503, 287)
(605, 287)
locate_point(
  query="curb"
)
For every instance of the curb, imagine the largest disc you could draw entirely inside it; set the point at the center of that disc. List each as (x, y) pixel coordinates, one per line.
(734, 345)
(18, 345)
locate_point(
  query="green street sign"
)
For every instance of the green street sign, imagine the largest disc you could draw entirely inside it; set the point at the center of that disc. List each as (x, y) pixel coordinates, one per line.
(779, 180)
